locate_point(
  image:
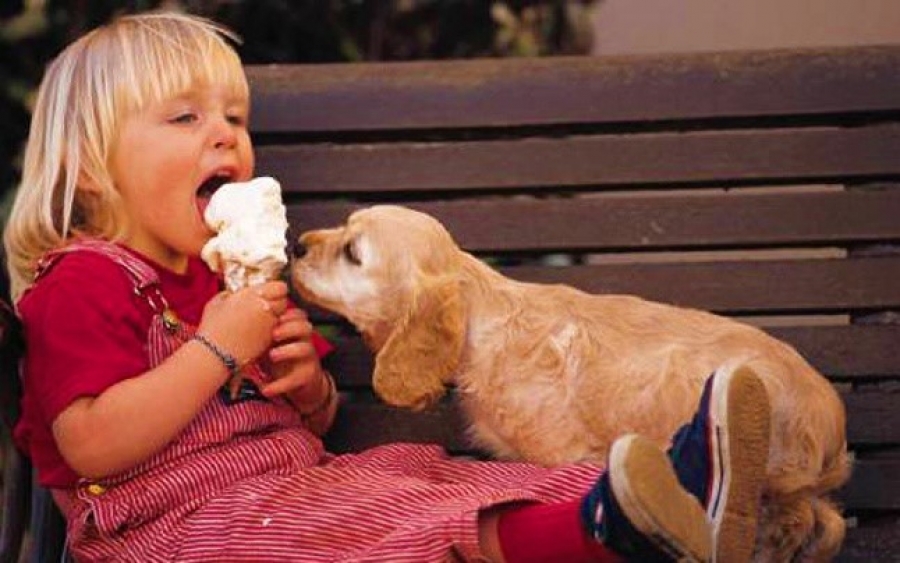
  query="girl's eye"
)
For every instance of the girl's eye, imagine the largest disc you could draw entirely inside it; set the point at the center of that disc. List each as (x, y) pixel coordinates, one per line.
(184, 118)
(236, 119)
(350, 254)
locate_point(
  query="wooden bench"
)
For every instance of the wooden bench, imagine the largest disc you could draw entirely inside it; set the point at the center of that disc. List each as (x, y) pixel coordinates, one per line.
(760, 185)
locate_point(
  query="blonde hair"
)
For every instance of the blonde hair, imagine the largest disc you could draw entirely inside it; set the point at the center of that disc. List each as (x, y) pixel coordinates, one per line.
(88, 89)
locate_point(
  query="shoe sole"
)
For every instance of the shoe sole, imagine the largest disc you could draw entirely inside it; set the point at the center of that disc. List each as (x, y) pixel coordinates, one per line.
(739, 408)
(649, 494)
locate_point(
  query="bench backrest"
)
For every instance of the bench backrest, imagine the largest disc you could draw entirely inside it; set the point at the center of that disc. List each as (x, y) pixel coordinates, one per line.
(759, 185)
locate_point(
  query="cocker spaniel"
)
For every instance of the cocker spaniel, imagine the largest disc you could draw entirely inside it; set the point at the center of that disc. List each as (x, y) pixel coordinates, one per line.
(551, 374)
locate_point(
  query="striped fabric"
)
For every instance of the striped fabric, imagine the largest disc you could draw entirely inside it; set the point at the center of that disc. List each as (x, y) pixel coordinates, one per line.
(247, 482)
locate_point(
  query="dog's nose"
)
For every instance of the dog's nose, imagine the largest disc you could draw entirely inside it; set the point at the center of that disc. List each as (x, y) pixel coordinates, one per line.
(298, 250)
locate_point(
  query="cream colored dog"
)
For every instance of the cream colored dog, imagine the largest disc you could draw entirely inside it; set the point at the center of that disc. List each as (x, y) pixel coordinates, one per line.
(552, 375)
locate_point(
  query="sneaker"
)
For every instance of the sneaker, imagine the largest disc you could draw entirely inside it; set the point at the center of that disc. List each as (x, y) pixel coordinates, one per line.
(721, 455)
(639, 510)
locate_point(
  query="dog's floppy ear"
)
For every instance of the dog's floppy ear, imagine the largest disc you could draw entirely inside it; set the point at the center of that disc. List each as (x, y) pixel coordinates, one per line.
(422, 353)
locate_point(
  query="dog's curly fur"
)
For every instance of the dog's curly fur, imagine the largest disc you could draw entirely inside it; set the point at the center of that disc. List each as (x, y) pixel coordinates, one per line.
(552, 375)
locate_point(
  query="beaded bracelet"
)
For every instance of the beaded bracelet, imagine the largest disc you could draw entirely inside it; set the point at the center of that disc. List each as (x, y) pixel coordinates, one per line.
(326, 401)
(224, 356)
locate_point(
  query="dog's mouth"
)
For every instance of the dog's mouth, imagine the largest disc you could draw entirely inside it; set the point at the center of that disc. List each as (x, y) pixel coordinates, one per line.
(300, 281)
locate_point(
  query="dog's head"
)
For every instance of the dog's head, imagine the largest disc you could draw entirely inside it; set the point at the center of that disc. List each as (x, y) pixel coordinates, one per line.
(393, 273)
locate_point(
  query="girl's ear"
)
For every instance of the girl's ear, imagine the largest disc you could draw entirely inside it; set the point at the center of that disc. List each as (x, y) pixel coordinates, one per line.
(421, 355)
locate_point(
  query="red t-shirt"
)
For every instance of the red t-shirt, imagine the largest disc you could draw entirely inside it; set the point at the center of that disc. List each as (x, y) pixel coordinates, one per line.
(85, 330)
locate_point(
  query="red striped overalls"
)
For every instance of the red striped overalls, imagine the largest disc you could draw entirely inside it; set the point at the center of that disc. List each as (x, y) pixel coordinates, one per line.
(247, 482)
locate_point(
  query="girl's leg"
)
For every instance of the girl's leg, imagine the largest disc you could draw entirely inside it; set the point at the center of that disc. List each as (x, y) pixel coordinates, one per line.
(645, 507)
(645, 515)
(540, 532)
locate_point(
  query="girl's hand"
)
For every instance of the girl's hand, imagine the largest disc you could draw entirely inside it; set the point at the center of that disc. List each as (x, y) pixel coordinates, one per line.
(242, 323)
(295, 365)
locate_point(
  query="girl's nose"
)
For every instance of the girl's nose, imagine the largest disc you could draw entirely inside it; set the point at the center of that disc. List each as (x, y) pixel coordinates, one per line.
(223, 135)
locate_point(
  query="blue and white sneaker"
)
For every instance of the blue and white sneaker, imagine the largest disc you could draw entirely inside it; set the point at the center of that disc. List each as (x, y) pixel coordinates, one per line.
(721, 455)
(639, 510)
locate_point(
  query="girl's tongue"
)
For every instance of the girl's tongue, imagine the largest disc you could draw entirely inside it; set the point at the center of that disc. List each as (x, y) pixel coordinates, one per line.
(205, 193)
(202, 204)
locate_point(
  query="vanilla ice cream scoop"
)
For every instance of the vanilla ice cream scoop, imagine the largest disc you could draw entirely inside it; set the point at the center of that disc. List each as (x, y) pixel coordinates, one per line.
(250, 221)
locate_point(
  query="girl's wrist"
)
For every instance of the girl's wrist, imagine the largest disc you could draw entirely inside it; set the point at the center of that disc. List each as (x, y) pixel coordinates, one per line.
(229, 361)
(327, 395)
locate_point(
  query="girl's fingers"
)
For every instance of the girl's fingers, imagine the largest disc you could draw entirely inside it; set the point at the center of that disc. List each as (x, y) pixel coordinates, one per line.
(295, 350)
(296, 380)
(278, 387)
(273, 297)
(272, 290)
(292, 329)
(301, 313)
(292, 314)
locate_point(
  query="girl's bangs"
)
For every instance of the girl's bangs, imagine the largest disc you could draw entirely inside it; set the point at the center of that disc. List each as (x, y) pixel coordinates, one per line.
(162, 67)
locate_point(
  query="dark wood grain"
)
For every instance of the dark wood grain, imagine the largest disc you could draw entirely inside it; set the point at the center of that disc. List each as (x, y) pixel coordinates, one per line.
(645, 88)
(631, 222)
(852, 352)
(875, 485)
(767, 286)
(872, 539)
(553, 164)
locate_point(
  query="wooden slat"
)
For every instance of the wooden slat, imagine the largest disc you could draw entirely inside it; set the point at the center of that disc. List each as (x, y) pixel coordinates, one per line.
(874, 540)
(874, 485)
(351, 363)
(359, 426)
(852, 353)
(702, 157)
(847, 352)
(874, 420)
(641, 223)
(515, 92)
(776, 286)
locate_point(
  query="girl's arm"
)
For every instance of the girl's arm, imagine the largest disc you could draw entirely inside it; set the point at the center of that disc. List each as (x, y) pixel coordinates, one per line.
(135, 418)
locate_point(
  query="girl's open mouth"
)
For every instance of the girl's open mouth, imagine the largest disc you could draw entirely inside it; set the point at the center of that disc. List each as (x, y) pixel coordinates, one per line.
(208, 188)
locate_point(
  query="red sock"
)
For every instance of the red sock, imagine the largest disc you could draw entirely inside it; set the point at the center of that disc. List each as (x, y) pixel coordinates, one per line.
(549, 533)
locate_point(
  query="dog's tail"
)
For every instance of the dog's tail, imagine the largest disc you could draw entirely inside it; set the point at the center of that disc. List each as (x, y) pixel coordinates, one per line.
(829, 529)
(800, 522)
(805, 524)
(835, 474)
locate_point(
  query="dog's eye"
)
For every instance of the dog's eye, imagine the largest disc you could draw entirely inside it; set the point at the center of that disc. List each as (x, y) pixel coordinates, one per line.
(350, 253)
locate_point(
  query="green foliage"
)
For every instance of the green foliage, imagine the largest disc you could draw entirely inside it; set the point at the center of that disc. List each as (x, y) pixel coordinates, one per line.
(32, 32)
